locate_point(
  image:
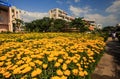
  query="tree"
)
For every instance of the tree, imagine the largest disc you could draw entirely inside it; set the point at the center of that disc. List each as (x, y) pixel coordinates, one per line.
(78, 23)
(59, 24)
(46, 25)
(118, 27)
(17, 23)
(51, 27)
(39, 25)
(46, 22)
(108, 29)
(28, 27)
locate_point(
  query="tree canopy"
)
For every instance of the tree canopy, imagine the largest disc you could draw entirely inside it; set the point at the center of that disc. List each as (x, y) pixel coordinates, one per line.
(54, 25)
(79, 24)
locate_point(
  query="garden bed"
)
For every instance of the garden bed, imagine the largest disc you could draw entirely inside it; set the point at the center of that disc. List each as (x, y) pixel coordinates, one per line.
(49, 55)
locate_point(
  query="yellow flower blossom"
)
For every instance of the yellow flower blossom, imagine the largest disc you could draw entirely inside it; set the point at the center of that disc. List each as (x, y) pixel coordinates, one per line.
(23, 66)
(75, 71)
(57, 64)
(45, 66)
(60, 60)
(36, 72)
(3, 58)
(67, 61)
(20, 62)
(50, 59)
(63, 77)
(85, 73)
(67, 72)
(16, 71)
(75, 61)
(7, 74)
(59, 72)
(55, 77)
(64, 66)
(32, 64)
(27, 69)
(81, 73)
(38, 62)
(1, 63)
(14, 67)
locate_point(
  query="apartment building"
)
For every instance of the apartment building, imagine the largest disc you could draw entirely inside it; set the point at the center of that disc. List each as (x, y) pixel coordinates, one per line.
(15, 13)
(60, 14)
(7, 15)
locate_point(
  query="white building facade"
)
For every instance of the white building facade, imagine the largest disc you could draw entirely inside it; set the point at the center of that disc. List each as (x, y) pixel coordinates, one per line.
(60, 14)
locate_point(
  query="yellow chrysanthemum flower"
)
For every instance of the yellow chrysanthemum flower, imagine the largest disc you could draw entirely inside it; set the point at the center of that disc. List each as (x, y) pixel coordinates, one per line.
(60, 60)
(57, 64)
(59, 72)
(27, 69)
(85, 73)
(50, 59)
(1, 63)
(3, 58)
(75, 71)
(67, 72)
(45, 66)
(55, 77)
(67, 61)
(81, 73)
(32, 64)
(64, 67)
(63, 77)
(7, 74)
(36, 72)
(16, 71)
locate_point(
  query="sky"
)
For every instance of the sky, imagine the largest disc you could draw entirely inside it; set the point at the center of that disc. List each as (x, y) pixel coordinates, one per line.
(105, 12)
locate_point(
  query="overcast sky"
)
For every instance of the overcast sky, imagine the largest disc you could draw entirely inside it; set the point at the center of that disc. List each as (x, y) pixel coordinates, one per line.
(105, 12)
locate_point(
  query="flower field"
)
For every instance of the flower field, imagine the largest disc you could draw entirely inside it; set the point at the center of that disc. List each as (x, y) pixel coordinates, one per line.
(49, 55)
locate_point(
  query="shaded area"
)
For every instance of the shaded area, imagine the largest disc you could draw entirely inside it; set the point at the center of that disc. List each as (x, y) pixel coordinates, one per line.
(111, 68)
(96, 76)
(113, 48)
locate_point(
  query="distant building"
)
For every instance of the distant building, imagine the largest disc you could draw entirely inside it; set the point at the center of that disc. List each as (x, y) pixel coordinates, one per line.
(7, 15)
(90, 23)
(99, 26)
(15, 13)
(118, 25)
(60, 14)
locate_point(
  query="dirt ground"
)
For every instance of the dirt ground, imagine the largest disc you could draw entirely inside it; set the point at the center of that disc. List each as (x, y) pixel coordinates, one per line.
(109, 65)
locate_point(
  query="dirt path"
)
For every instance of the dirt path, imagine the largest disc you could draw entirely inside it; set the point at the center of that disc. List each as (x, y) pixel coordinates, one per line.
(109, 65)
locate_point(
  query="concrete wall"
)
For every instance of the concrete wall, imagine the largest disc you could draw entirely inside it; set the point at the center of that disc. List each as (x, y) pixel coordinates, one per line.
(4, 19)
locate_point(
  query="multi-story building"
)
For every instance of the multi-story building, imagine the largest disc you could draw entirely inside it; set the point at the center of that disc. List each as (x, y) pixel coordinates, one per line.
(90, 23)
(15, 13)
(60, 14)
(7, 15)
